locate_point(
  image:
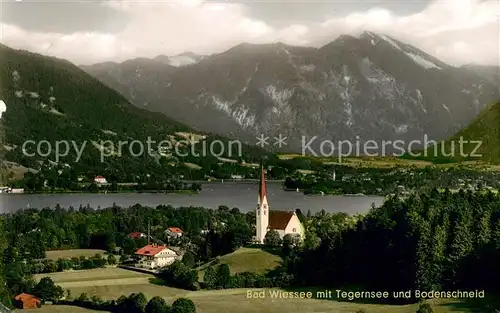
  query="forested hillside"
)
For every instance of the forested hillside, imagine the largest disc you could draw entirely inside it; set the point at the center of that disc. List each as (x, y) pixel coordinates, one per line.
(485, 129)
(51, 99)
(435, 241)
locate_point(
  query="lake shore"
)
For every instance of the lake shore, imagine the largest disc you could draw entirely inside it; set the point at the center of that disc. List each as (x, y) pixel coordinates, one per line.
(212, 195)
(79, 192)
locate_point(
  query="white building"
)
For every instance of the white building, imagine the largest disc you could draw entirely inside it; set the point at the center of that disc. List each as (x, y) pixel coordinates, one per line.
(284, 222)
(174, 232)
(155, 256)
(100, 180)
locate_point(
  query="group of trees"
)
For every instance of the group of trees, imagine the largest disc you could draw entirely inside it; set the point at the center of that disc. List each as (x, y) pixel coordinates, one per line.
(81, 263)
(134, 303)
(33, 231)
(220, 277)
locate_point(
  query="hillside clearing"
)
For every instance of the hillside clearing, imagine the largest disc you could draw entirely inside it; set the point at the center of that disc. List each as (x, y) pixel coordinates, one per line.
(98, 276)
(246, 260)
(73, 253)
(111, 283)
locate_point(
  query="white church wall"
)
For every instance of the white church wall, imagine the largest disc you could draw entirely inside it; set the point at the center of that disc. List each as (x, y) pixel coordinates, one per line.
(295, 227)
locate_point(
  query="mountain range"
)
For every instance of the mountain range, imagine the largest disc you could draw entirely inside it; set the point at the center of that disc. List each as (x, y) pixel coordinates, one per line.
(368, 87)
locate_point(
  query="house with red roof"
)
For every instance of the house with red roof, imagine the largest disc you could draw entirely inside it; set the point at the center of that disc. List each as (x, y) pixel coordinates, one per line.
(155, 256)
(174, 232)
(137, 235)
(27, 301)
(284, 222)
(100, 180)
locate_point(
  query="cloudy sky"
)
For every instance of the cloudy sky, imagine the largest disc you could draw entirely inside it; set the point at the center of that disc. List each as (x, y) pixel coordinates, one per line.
(457, 31)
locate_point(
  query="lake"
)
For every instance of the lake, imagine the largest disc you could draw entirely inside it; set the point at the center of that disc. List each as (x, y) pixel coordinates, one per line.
(242, 195)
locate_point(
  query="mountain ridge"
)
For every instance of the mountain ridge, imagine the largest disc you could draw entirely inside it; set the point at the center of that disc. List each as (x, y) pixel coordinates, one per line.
(369, 86)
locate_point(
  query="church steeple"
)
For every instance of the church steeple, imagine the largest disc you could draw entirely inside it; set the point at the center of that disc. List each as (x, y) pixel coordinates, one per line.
(262, 185)
(262, 212)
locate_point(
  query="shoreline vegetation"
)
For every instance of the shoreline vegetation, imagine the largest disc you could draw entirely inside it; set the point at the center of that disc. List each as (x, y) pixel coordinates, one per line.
(76, 192)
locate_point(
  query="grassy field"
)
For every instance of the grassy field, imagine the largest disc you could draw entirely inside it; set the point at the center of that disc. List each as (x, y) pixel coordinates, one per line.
(68, 254)
(247, 260)
(59, 309)
(111, 283)
(97, 277)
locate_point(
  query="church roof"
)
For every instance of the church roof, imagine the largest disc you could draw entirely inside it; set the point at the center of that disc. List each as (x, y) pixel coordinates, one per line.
(262, 185)
(279, 219)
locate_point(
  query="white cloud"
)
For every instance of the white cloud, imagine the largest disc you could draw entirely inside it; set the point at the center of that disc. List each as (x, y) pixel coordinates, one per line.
(457, 31)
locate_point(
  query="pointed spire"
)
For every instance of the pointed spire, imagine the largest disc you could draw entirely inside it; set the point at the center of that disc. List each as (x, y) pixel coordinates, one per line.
(262, 185)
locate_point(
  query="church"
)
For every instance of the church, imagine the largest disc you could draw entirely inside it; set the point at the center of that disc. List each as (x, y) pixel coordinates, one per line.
(284, 222)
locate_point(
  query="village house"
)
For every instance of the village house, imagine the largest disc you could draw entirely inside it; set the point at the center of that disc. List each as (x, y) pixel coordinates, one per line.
(27, 301)
(11, 190)
(137, 235)
(284, 222)
(100, 180)
(155, 256)
(174, 232)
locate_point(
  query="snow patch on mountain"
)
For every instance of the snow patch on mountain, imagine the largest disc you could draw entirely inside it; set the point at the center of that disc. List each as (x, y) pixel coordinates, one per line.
(181, 60)
(279, 97)
(348, 112)
(401, 129)
(243, 117)
(385, 83)
(420, 100)
(446, 107)
(391, 42)
(346, 96)
(241, 114)
(421, 61)
(224, 106)
(308, 68)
